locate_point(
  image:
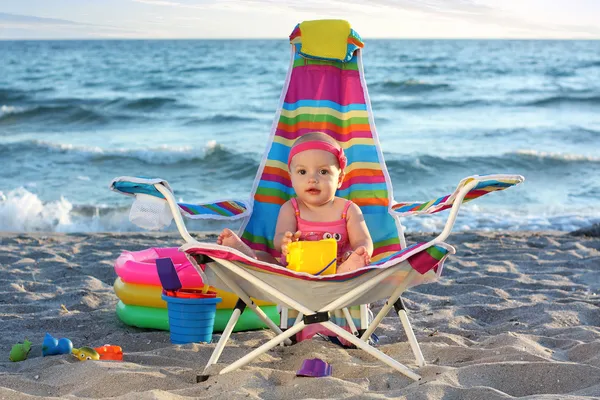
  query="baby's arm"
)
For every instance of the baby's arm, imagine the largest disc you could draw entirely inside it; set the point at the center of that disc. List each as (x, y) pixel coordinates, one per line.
(358, 233)
(286, 225)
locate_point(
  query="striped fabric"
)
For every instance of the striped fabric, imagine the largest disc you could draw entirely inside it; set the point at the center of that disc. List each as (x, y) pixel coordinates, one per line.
(222, 208)
(325, 96)
(227, 209)
(486, 184)
(421, 257)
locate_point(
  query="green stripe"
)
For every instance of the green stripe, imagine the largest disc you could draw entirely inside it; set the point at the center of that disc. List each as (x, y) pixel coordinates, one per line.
(258, 239)
(387, 242)
(436, 252)
(216, 209)
(300, 62)
(324, 118)
(272, 192)
(422, 206)
(368, 194)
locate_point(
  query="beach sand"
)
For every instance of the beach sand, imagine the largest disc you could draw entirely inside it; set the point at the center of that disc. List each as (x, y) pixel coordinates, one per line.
(515, 315)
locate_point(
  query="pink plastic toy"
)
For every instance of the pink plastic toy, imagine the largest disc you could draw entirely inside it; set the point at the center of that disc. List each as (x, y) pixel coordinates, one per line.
(140, 267)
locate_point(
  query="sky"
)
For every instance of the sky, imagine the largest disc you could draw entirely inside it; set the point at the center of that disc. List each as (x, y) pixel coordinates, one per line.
(166, 19)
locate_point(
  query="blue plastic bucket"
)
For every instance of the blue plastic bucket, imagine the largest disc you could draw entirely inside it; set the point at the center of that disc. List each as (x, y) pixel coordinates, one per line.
(191, 315)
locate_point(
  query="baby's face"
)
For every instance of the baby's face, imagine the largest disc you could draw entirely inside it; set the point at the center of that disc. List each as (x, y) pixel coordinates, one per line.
(315, 176)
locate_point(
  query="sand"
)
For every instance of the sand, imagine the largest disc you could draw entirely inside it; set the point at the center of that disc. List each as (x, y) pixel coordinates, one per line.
(515, 315)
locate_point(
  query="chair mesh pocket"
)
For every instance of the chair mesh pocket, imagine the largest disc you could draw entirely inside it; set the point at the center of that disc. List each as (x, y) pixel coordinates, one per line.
(150, 212)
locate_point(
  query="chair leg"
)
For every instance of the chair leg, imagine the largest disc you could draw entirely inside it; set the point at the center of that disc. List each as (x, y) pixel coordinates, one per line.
(364, 320)
(350, 321)
(264, 348)
(410, 334)
(246, 299)
(371, 350)
(284, 318)
(222, 341)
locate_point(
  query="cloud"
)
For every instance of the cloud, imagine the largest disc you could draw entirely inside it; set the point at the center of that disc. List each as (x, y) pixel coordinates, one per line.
(159, 3)
(17, 26)
(471, 11)
(30, 19)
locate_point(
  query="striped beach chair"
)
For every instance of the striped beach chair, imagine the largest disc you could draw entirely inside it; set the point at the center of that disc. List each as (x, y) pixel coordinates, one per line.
(324, 91)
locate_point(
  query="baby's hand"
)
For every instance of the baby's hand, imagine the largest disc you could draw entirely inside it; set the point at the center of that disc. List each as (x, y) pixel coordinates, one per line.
(288, 238)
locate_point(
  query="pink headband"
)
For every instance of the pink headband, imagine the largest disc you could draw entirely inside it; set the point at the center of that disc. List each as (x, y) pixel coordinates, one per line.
(319, 145)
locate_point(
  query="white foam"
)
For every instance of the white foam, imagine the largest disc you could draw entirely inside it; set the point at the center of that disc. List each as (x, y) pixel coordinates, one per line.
(4, 110)
(163, 154)
(23, 211)
(488, 219)
(557, 156)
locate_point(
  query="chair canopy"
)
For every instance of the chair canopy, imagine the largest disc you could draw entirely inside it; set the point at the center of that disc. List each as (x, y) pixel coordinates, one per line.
(325, 91)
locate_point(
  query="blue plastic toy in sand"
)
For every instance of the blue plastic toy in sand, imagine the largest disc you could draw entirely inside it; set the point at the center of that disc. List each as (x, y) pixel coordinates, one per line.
(191, 315)
(191, 312)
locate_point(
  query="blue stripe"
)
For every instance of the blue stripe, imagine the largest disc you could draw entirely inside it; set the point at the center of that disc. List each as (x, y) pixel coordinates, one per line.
(494, 183)
(362, 153)
(324, 103)
(357, 152)
(264, 219)
(374, 210)
(348, 58)
(200, 209)
(279, 152)
(381, 226)
(133, 188)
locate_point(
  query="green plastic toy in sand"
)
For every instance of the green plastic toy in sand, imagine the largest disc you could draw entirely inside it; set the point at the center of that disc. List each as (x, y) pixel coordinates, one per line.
(20, 351)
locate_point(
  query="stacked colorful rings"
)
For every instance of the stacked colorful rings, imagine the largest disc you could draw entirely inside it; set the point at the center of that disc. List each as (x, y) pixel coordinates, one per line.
(139, 291)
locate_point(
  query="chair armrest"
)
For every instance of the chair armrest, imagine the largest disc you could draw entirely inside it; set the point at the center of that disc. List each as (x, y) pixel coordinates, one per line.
(481, 185)
(222, 209)
(468, 189)
(159, 188)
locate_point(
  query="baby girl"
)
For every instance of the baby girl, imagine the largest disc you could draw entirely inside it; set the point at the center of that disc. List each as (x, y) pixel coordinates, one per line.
(316, 164)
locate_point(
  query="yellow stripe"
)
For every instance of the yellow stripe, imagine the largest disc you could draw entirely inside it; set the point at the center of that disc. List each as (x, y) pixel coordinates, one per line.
(345, 145)
(325, 111)
(428, 204)
(362, 165)
(276, 164)
(352, 142)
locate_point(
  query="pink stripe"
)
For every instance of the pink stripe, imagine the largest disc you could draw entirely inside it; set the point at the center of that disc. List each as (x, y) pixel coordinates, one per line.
(337, 136)
(323, 82)
(422, 262)
(187, 209)
(276, 178)
(385, 249)
(258, 246)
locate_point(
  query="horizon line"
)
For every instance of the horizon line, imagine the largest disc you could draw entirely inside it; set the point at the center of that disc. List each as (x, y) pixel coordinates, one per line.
(275, 38)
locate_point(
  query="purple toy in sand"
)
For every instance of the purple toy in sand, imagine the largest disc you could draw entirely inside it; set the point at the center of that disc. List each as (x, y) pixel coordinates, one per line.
(314, 367)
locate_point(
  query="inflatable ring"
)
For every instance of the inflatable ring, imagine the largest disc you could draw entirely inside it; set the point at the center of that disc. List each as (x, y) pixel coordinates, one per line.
(140, 267)
(158, 318)
(150, 296)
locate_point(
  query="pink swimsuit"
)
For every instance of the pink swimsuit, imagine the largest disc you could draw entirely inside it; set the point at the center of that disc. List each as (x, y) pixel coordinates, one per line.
(312, 230)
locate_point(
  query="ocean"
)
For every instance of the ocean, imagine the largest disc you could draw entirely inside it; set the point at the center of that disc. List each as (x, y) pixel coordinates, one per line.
(75, 114)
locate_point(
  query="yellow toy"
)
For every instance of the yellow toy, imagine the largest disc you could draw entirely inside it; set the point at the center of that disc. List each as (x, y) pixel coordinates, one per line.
(85, 353)
(313, 257)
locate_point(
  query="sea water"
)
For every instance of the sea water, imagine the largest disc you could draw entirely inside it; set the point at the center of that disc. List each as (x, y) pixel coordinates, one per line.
(75, 114)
